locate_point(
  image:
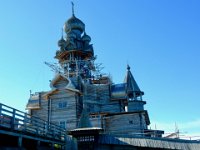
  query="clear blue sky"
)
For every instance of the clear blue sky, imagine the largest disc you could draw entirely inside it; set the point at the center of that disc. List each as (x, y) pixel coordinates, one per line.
(159, 39)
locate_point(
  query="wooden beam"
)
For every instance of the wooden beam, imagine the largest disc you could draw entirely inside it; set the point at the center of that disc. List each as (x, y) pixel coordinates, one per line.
(20, 141)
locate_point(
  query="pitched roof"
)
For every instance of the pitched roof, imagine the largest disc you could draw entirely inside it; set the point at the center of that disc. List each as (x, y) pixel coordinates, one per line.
(132, 86)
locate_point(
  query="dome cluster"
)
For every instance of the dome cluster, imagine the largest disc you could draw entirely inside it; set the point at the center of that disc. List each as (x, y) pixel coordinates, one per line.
(76, 37)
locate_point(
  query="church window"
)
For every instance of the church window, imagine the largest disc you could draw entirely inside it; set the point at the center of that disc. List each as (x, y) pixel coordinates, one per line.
(130, 121)
(62, 105)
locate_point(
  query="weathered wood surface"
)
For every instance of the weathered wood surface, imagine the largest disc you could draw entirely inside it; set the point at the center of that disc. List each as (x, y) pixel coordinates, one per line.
(59, 84)
(136, 105)
(43, 111)
(126, 124)
(17, 121)
(62, 106)
(163, 143)
(96, 99)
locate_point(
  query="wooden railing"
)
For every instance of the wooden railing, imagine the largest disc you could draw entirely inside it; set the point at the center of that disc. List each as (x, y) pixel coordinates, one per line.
(18, 121)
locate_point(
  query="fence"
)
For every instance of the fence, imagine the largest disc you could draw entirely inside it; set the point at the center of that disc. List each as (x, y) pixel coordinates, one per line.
(18, 121)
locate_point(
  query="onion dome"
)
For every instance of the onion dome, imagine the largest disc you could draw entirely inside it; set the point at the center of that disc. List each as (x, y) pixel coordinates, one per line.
(86, 37)
(61, 42)
(74, 23)
(71, 34)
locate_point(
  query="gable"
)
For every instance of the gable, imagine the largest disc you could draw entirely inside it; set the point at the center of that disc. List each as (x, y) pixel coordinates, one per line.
(59, 82)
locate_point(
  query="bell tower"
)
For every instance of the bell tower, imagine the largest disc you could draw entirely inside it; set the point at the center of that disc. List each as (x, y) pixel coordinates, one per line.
(133, 93)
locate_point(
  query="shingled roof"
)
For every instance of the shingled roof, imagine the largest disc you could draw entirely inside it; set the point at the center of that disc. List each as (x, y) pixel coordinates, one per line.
(132, 87)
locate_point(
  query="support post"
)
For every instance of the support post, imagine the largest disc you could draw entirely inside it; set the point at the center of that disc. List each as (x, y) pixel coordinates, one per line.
(1, 117)
(0, 108)
(13, 120)
(52, 145)
(20, 142)
(38, 144)
(26, 121)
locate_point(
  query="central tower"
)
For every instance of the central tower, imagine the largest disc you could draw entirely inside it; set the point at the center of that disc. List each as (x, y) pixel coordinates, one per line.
(76, 55)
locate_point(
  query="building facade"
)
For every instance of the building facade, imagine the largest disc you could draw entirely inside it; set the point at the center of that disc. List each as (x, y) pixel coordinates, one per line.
(81, 97)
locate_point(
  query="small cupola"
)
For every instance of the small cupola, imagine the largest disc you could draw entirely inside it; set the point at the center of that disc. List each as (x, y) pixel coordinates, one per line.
(132, 89)
(61, 42)
(86, 37)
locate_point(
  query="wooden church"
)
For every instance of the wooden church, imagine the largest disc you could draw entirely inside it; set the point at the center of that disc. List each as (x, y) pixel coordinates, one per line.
(82, 98)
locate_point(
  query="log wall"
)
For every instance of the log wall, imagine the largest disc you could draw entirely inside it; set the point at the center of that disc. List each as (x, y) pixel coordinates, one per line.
(64, 108)
(126, 124)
